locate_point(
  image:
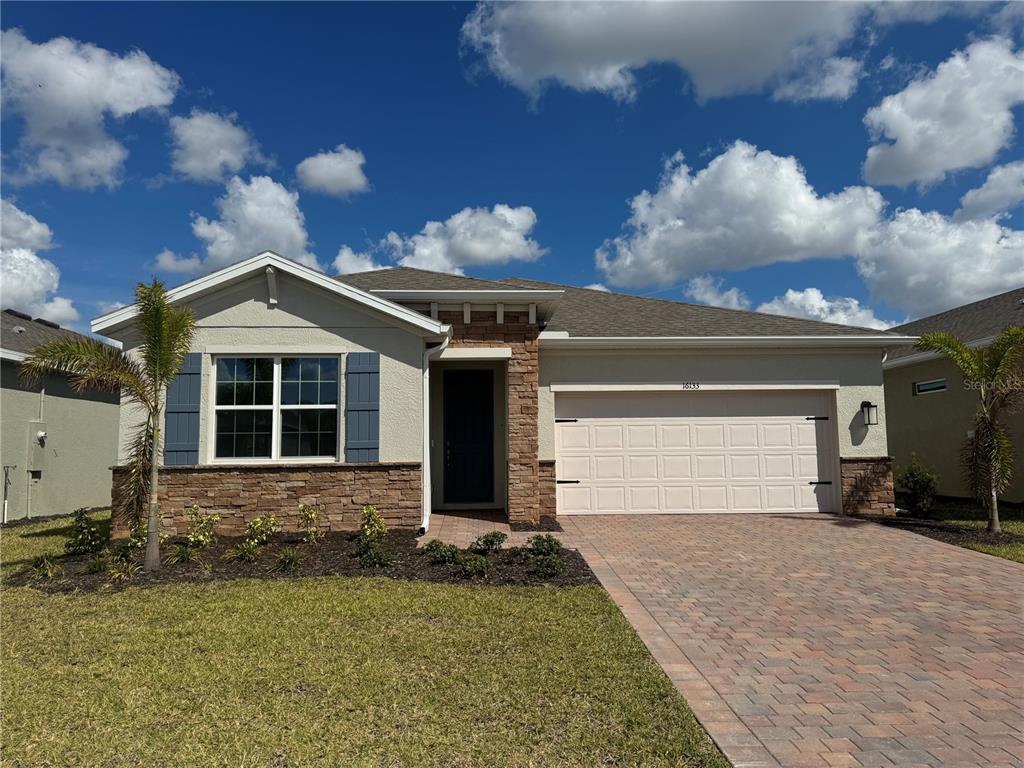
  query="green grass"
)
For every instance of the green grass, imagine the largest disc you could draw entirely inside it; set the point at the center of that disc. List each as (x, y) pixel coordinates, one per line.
(972, 515)
(330, 672)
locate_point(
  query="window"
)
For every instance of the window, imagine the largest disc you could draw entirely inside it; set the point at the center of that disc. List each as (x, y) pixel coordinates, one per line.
(927, 387)
(276, 407)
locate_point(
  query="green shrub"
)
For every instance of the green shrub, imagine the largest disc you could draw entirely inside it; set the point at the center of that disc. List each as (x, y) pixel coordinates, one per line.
(489, 543)
(372, 525)
(180, 553)
(123, 570)
(100, 562)
(309, 519)
(260, 529)
(440, 553)
(546, 566)
(473, 566)
(919, 481)
(544, 544)
(45, 567)
(288, 559)
(85, 535)
(200, 527)
(245, 552)
(139, 534)
(371, 554)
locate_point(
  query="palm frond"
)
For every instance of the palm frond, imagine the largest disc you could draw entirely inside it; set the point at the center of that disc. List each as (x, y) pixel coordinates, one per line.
(133, 486)
(166, 332)
(987, 457)
(1005, 354)
(88, 364)
(968, 360)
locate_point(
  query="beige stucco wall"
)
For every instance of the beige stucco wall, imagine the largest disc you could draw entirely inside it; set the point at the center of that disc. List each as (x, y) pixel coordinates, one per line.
(858, 373)
(74, 463)
(307, 320)
(934, 425)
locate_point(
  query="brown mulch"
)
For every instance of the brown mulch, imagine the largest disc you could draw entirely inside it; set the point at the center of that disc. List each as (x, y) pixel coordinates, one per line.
(547, 524)
(332, 556)
(961, 535)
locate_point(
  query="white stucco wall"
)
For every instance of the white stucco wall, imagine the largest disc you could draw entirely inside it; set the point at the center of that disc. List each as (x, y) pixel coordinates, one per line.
(238, 320)
(858, 373)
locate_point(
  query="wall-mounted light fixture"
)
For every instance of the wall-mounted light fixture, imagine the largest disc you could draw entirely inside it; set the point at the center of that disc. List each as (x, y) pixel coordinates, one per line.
(870, 413)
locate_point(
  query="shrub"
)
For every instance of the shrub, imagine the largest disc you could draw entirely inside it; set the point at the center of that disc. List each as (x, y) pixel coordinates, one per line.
(288, 559)
(372, 526)
(123, 569)
(544, 544)
(260, 529)
(45, 567)
(309, 518)
(180, 553)
(100, 562)
(245, 552)
(474, 566)
(137, 538)
(547, 566)
(489, 543)
(919, 481)
(440, 553)
(200, 527)
(85, 535)
(371, 554)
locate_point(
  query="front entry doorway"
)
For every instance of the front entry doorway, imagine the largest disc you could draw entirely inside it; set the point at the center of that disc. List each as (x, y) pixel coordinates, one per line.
(469, 436)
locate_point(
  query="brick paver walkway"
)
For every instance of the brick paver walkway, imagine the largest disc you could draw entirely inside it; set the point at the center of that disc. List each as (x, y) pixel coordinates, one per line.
(817, 641)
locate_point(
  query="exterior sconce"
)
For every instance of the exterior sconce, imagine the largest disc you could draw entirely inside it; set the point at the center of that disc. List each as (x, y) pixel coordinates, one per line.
(870, 413)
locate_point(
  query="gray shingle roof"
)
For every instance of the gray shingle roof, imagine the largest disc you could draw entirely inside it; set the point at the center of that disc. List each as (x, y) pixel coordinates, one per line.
(971, 322)
(586, 312)
(34, 333)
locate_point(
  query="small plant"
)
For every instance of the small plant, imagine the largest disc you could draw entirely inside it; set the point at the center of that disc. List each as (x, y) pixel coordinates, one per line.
(99, 563)
(372, 525)
(123, 570)
(489, 543)
(919, 481)
(372, 555)
(288, 559)
(247, 551)
(547, 566)
(260, 529)
(544, 544)
(45, 567)
(181, 553)
(200, 527)
(474, 566)
(440, 553)
(137, 537)
(309, 519)
(85, 535)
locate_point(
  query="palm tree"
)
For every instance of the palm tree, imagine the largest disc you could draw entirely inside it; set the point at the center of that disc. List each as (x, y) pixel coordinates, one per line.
(141, 377)
(994, 372)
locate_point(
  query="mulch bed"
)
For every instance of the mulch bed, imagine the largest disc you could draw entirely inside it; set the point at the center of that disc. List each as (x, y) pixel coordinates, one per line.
(961, 535)
(546, 524)
(332, 556)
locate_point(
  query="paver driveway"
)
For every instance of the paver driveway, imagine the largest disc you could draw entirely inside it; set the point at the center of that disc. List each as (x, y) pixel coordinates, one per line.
(821, 641)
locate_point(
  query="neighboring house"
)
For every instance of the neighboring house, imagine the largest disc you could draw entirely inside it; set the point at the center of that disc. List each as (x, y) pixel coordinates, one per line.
(420, 391)
(56, 445)
(930, 409)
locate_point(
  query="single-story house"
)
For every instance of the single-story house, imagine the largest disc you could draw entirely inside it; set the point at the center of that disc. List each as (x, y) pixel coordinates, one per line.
(930, 409)
(56, 444)
(419, 391)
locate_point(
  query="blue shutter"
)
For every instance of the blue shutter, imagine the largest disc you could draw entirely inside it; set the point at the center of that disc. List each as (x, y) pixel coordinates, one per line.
(181, 416)
(362, 407)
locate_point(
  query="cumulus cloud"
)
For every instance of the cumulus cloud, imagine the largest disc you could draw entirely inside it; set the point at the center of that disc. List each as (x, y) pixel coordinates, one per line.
(210, 147)
(254, 216)
(957, 117)
(338, 173)
(749, 208)
(348, 261)
(597, 287)
(746, 208)
(836, 78)
(705, 289)
(22, 230)
(64, 90)
(812, 304)
(1002, 191)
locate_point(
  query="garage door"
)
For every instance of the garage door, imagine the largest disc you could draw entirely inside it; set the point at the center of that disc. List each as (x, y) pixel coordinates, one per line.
(693, 452)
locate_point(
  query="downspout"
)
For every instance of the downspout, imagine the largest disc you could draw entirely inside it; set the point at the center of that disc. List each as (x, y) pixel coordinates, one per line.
(428, 355)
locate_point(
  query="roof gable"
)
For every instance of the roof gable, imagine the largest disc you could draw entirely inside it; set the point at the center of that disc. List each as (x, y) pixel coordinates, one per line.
(20, 335)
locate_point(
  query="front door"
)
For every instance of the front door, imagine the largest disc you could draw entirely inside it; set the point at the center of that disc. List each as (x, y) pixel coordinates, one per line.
(468, 436)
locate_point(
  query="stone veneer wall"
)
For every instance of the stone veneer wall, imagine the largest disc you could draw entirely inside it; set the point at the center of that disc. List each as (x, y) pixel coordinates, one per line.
(516, 333)
(547, 488)
(867, 486)
(239, 493)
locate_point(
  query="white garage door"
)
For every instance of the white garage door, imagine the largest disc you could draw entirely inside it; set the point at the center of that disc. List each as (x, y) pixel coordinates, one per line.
(691, 452)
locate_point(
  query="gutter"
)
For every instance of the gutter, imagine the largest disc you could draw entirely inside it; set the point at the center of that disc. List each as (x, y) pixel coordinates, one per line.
(921, 357)
(428, 356)
(561, 340)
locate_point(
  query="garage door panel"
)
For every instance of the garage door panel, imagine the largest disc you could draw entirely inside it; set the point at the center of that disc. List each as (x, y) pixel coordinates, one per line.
(610, 499)
(573, 436)
(573, 499)
(607, 436)
(678, 498)
(644, 498)
(609, 468)
(643, 467)
(809, 466)
(675, 436)
(677, 467)
(779, 466)
(779, 498)
(712, 498)
(640, 436)
(745, 498)
(743, 435)
(776, 436)
(745, 466)
(710, 467)
(709, 436)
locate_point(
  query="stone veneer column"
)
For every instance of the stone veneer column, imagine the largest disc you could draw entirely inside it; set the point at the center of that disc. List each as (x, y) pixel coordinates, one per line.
(868, 486)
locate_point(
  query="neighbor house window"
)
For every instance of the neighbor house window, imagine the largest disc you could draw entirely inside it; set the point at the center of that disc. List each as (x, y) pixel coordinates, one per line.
(927, 387)
(276, 407)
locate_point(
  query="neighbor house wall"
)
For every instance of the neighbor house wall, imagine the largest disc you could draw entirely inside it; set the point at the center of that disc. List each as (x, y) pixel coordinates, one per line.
(935, 425)
(73, 462)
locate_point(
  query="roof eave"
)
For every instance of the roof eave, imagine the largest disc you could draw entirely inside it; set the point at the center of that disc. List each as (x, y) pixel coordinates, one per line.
(561, 340)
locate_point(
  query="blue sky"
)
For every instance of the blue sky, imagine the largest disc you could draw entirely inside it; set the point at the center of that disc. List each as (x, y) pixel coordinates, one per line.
(543, 125)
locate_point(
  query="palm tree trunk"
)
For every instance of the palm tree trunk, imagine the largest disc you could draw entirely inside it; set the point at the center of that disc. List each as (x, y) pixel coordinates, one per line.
(993, 506)
(152, 562)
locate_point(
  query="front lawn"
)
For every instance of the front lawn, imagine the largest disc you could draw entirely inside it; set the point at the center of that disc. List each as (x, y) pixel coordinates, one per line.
(964, 522)
(329, 671)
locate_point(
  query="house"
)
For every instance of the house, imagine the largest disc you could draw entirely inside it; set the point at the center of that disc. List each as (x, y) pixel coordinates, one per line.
(56, 444)
(930, 409)
(418, 391)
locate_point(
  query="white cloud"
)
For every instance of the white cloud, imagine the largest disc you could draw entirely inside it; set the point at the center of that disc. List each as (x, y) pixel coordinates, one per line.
(746, 208)
(348, 261)
(210, 147)
(65, 90)
(22, 230)
(471, 237)
(1002, 191)
(106, 307)
(168, 261)
(836, 78)
(338, 173)
(597, 287)
(705, 289)
(958, 117)
(812, 304)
